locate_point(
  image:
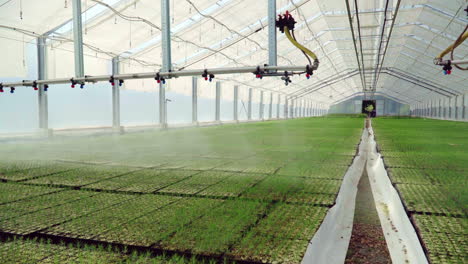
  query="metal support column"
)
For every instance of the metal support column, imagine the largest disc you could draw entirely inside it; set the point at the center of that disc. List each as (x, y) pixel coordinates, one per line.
(304, 108)
(249, 105)
(194, 100)
(456, 107)
(463, 107)
(439, 113)
(116, 97)
(270, 109)
(444, 110)
(293, 108)
(286, 108)
(162, 105)
(260, 110)
(450, 108)
(272, 46)
(42, 74)
(218, 102)
(166, 36)
(295, 112)
(278, 106)
(430, 108)
(166, 58)
(78, 39)
(299, 108)
(236, 103)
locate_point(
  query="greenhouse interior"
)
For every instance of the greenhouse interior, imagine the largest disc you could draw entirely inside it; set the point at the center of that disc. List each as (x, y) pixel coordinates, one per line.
(234, 131)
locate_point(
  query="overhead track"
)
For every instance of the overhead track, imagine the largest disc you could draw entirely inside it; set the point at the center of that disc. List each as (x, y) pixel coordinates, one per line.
(399, 100)
(380, 62)
(354, 43)
(389, 71)
(360, 42)
(160, 76)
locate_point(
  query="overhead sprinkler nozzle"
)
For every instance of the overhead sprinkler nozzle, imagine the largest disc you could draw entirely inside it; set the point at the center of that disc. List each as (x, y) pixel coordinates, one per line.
(159, 79)
(34, 85)
(73, 83)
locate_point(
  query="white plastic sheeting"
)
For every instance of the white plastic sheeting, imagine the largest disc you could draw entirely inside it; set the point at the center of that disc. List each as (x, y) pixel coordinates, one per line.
(400, 235)
(330, 242)
(215, 33)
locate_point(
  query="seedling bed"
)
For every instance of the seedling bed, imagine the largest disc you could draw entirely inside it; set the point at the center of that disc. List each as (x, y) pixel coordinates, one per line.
(92, 225)
(146, 181)
(33, 222)
(83, 175)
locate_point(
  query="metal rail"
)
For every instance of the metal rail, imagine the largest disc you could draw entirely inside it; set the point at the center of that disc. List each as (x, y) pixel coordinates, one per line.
(165, 75)
(354, 42)
(445, 62)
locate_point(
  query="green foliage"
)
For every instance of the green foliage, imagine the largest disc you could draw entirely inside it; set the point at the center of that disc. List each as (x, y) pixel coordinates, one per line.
(369, 108)
(428, 161)
(206, 191)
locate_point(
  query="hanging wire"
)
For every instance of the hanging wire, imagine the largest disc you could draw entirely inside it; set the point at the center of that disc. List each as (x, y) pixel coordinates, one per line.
(21, 9)
(130, 36)
(24, 56)
(232, 30)
(129, 18)
(86, 18)
(175, 38)
(173, 14)
(301, 14)
(62, 40)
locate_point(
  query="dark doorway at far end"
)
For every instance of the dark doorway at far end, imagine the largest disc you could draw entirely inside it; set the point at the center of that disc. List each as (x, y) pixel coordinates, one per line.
(365, 104)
